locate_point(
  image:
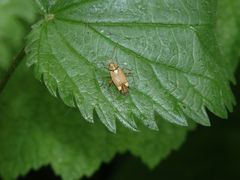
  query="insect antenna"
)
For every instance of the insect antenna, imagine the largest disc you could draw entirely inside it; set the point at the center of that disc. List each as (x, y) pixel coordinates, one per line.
(113, 56)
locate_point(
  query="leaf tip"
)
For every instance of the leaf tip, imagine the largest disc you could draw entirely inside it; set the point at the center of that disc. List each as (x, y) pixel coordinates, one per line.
(127, 123)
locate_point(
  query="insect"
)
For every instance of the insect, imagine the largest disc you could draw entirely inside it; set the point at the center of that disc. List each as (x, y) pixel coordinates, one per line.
(118, 78)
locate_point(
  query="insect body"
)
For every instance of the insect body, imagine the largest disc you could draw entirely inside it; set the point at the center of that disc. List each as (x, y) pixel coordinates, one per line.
(118, 78)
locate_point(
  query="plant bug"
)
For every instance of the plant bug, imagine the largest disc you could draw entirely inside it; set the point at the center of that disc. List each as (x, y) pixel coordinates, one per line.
(118, 78)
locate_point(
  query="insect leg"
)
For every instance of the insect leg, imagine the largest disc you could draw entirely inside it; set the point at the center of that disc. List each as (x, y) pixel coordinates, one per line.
(110, 82)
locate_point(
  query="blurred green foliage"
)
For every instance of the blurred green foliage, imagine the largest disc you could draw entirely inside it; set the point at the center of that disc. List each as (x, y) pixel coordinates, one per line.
(228, 30)
(16, 17)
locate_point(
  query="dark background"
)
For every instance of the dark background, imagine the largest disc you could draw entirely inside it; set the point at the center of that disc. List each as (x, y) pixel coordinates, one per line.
(209, 153)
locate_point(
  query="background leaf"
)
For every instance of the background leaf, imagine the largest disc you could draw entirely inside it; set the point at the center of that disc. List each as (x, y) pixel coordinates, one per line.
(169, 46)
(37, 130)
(14, 16)
(228, 30)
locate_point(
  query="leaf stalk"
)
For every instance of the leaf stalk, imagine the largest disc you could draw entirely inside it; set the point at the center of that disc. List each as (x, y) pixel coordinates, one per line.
(7, 75)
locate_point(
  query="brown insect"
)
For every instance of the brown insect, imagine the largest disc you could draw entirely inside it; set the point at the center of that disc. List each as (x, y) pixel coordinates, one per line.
(118, 78)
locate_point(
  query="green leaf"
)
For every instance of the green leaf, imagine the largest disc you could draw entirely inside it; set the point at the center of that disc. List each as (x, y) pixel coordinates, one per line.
(36, 129)
(169, 46)
(228, 30)
(13, 20)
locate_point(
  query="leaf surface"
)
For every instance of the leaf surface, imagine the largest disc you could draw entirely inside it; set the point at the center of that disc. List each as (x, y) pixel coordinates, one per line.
(169, 47)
